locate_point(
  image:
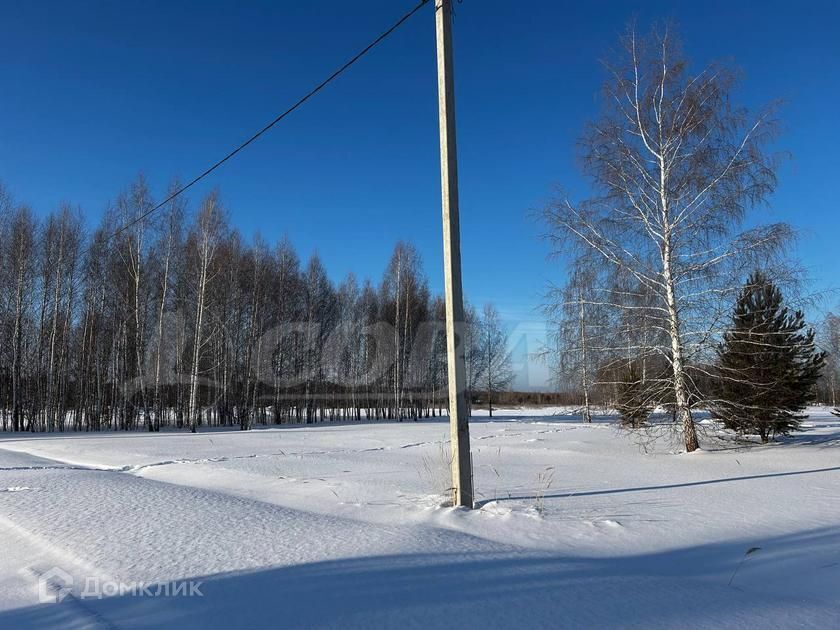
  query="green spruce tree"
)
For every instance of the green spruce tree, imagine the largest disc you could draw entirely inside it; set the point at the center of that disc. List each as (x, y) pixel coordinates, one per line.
(767, 364)
(635, 401)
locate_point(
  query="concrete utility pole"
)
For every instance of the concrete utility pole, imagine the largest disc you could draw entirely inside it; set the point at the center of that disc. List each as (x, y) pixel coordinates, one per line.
(459, 427)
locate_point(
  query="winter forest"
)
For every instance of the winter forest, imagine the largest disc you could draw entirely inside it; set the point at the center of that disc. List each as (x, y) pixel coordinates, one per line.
(177, 321)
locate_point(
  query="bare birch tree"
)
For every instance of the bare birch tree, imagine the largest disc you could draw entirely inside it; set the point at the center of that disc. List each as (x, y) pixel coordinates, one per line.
(676, 167)
(496, 369)
(166, 250)
(18, 276)
(576, 332)
(204, 243)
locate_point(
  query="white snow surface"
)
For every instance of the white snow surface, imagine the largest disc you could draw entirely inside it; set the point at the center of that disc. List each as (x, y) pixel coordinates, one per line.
(342, 526)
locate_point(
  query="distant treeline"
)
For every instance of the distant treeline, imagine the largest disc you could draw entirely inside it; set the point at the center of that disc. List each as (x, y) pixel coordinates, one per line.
(175, 320)
(479, 399)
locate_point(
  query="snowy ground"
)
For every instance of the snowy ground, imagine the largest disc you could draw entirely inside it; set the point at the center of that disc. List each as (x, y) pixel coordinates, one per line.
(341, 526)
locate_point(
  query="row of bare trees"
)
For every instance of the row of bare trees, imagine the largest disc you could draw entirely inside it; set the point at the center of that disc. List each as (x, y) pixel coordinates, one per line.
(174, 320)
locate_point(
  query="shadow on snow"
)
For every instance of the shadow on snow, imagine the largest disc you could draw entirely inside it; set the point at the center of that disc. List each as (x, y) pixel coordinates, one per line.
(680, 587)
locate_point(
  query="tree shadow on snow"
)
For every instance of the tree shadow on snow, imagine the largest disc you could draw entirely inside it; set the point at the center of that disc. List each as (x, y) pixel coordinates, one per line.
(822, 434)
(667, 486)
(682, 587)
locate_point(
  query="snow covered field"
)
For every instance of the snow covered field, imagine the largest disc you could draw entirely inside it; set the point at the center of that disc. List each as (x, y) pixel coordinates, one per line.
(342, 526)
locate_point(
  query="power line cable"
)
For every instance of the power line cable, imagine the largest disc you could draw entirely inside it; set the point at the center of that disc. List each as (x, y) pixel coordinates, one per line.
(259, 133)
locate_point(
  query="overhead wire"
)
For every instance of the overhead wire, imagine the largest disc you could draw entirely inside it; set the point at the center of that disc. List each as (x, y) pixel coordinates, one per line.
(320, 86)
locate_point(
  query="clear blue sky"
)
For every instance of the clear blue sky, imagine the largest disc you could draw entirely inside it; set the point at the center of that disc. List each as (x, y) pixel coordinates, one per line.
(95, 92)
